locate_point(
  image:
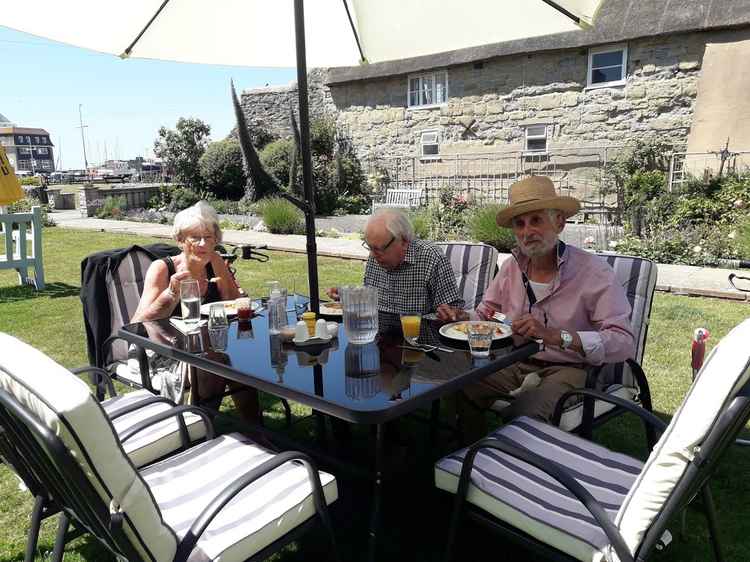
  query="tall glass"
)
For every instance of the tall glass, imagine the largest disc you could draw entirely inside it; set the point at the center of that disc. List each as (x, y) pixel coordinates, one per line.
(218, 326)
(190, 300)
(360, 308)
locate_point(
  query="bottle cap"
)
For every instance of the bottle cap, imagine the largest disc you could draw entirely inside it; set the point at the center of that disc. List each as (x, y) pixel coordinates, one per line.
(308, 315)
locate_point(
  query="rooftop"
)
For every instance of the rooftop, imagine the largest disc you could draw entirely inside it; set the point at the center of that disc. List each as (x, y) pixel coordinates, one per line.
(617, 21)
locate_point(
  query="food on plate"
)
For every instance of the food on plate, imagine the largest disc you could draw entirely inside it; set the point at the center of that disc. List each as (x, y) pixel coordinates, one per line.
(332, 305)
(463, 327)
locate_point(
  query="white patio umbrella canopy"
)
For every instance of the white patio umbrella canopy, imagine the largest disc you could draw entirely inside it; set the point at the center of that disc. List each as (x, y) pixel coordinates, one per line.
(264, 33)
(260, 33)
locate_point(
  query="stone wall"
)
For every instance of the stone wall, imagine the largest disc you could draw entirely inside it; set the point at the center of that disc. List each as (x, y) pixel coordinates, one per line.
(268, 107)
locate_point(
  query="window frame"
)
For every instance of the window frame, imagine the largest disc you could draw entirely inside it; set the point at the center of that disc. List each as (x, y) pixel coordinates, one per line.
(42, 150)
(527, 137)
(623, 65)
(422, 144)
(421, 76)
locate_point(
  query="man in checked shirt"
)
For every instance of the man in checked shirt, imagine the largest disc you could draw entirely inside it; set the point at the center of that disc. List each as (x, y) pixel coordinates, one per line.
(411, 275)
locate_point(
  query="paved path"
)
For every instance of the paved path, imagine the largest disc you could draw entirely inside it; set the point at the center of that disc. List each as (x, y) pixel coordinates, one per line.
(678, 279)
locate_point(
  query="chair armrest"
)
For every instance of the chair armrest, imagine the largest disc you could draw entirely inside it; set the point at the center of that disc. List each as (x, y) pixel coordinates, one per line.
(186, 546)
(176, 411)
(98, 372)
(556, 471)
(644, 414)
(153, 399)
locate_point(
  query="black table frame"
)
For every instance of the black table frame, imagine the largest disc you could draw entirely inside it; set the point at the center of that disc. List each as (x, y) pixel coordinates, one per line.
(320, 404)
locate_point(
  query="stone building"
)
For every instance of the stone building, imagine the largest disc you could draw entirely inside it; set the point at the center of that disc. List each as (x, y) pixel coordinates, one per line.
(559, 104)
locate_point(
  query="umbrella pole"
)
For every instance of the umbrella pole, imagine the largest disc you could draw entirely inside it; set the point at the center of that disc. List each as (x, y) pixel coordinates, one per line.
(307, 183)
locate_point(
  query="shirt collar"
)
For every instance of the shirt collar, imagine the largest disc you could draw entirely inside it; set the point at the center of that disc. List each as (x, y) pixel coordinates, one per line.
(411, 253)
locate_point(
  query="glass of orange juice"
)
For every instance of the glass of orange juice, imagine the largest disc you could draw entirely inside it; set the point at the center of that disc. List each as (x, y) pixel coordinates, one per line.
(410, 324)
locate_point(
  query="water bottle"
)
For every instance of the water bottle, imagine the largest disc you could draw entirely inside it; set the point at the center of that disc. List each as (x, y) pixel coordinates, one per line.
(276, 311)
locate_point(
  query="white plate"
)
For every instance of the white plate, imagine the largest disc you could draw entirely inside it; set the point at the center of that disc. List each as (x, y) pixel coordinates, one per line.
(311, 341)
(451, 330)
(228, 307)
(326, 309)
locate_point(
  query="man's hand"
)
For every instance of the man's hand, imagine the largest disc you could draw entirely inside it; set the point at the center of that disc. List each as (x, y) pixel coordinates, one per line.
(333, 293)
(450, 313)
(531, 328)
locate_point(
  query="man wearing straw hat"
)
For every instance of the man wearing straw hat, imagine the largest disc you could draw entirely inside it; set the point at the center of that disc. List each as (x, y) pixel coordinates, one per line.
(549, 290)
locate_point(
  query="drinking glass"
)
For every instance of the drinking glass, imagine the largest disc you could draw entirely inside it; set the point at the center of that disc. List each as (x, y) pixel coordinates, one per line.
(480, 338)
(360, 308)
(218, 326)
(244, 309)
(190, 300)
(410, 324)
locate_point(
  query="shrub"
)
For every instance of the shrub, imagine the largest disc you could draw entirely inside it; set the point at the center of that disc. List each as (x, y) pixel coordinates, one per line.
(113, 207)
(741, 236)
(482, 226)
(281, 216)
(221, 169)
(30, 181)
(276, 158)
(175, 198)
(24, 206)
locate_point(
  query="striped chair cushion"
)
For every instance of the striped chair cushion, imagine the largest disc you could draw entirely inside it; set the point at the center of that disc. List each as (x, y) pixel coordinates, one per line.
(157, 441)
(724, 372)
(184, 484)
(474, 266)
(64, 403)
(528, 499)
(124, 287)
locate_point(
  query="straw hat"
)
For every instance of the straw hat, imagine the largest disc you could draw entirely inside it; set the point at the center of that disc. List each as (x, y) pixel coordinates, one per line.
(533, 194)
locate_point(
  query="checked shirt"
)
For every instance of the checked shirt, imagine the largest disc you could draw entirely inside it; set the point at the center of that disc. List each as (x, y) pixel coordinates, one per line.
(419, 284)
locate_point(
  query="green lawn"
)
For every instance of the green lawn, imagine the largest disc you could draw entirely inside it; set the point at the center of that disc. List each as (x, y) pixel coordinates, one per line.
(52, 321)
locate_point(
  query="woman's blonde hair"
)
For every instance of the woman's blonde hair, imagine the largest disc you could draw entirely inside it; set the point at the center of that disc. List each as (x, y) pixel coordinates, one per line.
(200, 215)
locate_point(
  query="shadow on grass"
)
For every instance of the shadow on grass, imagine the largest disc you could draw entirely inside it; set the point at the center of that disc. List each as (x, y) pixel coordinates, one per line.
(26, 292)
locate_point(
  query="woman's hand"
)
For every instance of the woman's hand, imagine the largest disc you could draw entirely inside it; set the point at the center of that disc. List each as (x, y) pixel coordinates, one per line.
(178, 277)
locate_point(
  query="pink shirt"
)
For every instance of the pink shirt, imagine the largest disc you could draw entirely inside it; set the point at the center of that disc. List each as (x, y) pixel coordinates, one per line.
(585, 297)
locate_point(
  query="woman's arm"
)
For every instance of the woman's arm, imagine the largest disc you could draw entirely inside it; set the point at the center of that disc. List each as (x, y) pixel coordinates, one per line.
(228, 288)
(160, 293)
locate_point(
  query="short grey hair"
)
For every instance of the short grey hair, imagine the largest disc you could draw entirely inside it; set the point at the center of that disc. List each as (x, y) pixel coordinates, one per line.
(396, 222)
(200, 215)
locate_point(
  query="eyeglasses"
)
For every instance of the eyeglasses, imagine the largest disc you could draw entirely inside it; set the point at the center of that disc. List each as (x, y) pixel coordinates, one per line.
(208, 239)
(379, 249)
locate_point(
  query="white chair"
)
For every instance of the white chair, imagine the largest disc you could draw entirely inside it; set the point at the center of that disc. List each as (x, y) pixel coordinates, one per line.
(226, 498)
(23, 247)
(567, 498)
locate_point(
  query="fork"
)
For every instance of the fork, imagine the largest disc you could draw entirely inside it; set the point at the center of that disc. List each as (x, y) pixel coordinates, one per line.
(500, 317)
(427, 348)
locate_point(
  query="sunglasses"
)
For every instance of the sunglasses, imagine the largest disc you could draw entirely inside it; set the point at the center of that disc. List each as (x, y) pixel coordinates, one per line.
(379, 249)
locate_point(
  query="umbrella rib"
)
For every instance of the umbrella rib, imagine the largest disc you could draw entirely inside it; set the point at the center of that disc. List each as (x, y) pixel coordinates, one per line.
(354, 30)
(126, 52)
(563, 11)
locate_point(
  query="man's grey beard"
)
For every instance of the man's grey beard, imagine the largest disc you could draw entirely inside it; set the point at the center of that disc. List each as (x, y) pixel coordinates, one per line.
(547, 246)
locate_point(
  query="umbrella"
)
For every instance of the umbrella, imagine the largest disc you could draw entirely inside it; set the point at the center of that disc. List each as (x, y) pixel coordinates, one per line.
(274, 33)
(10, 188)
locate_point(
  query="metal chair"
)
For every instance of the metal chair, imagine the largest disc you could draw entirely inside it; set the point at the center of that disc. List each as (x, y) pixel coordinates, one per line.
(566, 498)
(225, 498)
(624, 380)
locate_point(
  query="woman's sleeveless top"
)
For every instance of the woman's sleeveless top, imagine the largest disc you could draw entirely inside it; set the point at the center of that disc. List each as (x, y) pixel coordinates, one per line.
(212, 293)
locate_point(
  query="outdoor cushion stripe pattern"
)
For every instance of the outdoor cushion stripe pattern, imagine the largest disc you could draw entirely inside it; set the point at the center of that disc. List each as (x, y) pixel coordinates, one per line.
(124, 287)
(474, 266)
(64, 403)
(725, 370)
(528, 499)
(266, 510)
(156, 441)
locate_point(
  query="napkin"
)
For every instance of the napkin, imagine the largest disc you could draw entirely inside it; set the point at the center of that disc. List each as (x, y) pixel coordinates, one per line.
(185, 328)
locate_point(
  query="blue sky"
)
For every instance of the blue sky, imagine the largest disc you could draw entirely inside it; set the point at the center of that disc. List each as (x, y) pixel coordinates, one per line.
(124, 102)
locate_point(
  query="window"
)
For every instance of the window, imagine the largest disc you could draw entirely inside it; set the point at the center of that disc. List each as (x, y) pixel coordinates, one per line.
(607, 66)
(430, 145)
(426, 90)
(45, 164)
(19, 140)
(36, 140)
(536, 138)
(42, 150)
(44, 140)
(24, 165)
(24, 151)
(28, 139)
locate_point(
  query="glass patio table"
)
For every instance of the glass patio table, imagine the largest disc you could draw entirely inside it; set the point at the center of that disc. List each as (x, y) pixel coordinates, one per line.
(363, 384)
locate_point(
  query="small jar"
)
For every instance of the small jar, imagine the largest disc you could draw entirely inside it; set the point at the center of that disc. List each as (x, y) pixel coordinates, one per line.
(309, 319)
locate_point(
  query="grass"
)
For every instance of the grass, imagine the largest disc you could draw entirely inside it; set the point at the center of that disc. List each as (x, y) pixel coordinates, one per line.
(51, 320)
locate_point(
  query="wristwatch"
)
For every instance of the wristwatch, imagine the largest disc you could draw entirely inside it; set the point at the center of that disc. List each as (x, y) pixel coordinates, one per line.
(566, 340)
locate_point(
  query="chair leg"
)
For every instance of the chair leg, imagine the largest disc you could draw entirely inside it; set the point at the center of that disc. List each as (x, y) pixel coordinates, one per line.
(713, 529)
(36, 522)
(458, 510)
(62, 530)
(287, 412)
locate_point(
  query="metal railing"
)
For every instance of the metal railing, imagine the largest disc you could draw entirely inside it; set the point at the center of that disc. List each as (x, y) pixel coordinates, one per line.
(703, 165)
